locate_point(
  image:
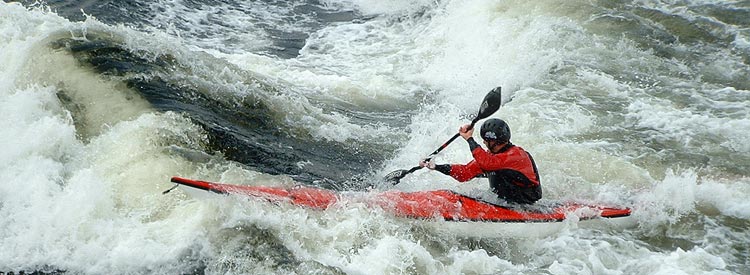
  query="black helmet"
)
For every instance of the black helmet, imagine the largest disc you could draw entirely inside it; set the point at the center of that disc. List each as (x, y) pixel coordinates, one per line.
(495, 129)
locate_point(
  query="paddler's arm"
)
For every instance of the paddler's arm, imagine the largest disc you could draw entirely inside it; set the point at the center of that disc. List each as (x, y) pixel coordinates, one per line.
(459, 172)
(471, 170)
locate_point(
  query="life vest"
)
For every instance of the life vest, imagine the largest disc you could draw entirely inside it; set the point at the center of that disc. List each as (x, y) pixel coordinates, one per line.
(512, 173)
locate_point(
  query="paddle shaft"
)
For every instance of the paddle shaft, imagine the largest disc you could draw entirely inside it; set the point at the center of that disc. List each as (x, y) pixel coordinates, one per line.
(490, 104)
(415, 168)
(449, 141)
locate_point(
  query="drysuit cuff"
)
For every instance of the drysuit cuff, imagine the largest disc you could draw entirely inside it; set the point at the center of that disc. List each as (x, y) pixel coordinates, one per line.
(443, 168)
(472, 144)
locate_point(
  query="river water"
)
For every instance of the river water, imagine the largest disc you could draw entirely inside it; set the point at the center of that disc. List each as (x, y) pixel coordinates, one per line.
(644, 104)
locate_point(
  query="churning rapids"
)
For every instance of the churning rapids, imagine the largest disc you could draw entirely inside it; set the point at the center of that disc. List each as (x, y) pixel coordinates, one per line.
(644, 104)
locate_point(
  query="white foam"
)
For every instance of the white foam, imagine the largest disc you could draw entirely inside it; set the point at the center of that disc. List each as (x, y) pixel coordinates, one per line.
(222, 27)
(80, 207)
(90, 208)
(673, 123)
(581, 254)
(726, 195)
(388, 7)
(667, 201)
(94, 206)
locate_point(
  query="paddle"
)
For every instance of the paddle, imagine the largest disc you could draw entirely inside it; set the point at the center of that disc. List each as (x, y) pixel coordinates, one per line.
(490, 105)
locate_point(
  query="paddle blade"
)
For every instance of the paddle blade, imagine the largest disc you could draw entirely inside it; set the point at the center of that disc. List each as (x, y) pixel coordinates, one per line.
(491, 104)
(395, 176)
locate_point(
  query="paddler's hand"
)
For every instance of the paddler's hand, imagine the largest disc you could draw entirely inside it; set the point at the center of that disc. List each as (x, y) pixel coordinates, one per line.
(466, 131)
(428, 164)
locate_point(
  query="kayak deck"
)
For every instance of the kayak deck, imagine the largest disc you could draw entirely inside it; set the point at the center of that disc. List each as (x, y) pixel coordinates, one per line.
(445, 204)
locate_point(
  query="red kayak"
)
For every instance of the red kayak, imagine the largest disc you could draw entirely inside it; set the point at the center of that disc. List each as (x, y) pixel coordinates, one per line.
(443, 204)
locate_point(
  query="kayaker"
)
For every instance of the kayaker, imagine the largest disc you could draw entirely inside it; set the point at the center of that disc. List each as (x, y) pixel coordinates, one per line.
(511, 170)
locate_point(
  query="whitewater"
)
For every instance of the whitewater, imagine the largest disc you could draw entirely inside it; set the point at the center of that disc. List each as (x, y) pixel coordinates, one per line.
(642, 103)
